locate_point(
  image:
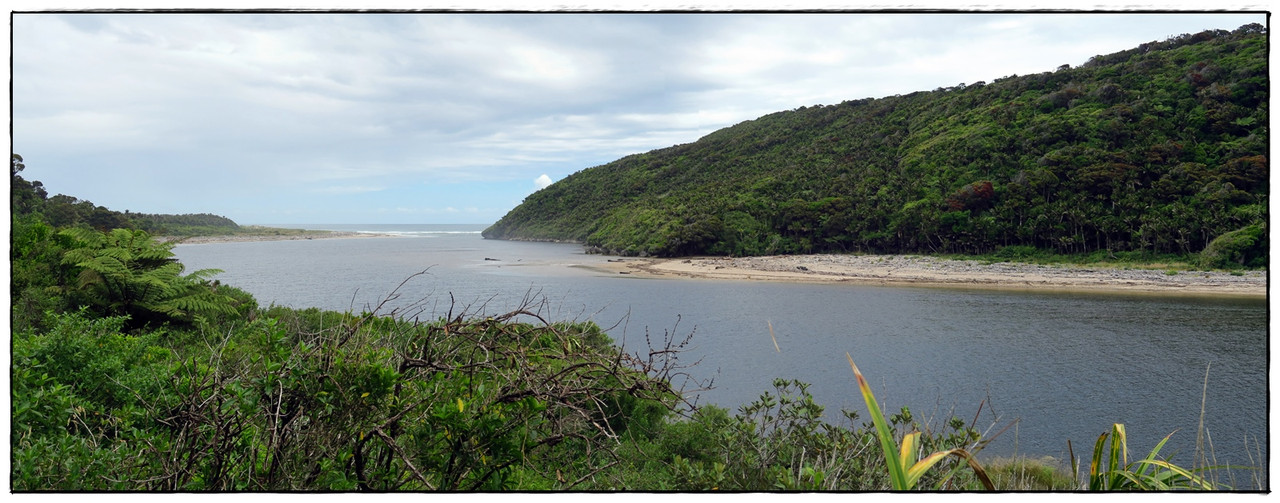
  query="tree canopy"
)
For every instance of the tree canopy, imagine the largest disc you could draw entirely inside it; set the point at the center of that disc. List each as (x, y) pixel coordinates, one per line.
(1161, 148)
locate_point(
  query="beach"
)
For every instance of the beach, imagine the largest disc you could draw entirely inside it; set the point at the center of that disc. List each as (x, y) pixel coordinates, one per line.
(897, 270)
(912, 270)
(244, 238)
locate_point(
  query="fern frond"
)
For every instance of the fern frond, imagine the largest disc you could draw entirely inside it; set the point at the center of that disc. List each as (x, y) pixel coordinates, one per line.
(204, 274)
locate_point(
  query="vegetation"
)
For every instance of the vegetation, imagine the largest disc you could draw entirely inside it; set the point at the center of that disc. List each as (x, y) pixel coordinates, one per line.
(1029, 474)
(129, 374)
(201, 224)
(1110, 469)
(1154, 151)
(31, 197)
(904, 471)
(125, 273)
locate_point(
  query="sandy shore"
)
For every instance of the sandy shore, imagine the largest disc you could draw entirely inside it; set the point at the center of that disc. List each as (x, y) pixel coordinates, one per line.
(904, 270)
(243, 238)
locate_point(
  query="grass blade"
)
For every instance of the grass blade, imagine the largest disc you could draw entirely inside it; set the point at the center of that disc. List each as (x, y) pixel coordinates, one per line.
(1096, 473)
(907, 455)
(897, 475)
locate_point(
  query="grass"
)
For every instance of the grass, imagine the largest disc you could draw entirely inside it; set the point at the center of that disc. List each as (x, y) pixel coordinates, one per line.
(248, 230)
(1026, 474)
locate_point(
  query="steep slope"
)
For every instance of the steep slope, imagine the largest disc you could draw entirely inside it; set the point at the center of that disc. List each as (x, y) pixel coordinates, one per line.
(1160, 148)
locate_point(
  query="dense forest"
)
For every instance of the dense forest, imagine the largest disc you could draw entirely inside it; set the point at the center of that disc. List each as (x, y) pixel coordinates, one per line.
(1160, 149)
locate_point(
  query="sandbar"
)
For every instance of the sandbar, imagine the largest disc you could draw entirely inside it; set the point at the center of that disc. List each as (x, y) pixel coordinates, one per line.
(244, 238)
(913, 270)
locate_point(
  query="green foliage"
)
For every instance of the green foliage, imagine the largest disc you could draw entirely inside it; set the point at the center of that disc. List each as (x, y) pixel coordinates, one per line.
(314, 400)
(1110, 469)
(1242, 247)
(24, 196)
(59, 263)
(125, 272)
(780, 442)
(1154, 150)
(36, 272)
(184, 225)
(905, 472)
(79, 394)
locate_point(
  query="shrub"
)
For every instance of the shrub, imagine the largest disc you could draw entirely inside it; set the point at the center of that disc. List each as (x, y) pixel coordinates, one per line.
(1246, 246)
(79, 394)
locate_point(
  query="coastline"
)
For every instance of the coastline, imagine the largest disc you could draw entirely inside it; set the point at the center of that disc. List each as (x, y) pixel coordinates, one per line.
(246, 238)
(913, 270)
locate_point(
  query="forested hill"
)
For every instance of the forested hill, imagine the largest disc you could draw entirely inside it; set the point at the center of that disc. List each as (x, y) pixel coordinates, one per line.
(1160, 148)
(29, 199)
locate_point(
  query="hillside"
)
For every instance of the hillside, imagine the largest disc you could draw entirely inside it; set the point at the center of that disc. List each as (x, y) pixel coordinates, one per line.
(29, 199)
(1161, 149)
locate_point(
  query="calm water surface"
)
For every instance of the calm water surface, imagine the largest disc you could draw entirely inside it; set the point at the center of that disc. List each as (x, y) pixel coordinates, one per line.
(1065, 366)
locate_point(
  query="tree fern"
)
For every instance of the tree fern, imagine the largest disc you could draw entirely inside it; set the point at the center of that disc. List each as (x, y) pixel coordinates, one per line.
(126, 272)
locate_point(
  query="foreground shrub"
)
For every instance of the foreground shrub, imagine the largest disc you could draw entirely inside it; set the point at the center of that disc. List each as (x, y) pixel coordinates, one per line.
(350, 402)
(79, 393)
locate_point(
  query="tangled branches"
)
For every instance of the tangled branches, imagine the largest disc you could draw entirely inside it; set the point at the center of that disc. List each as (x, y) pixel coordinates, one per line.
(312, 400)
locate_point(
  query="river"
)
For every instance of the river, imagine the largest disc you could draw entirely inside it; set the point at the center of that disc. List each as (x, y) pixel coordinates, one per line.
(1064, 365)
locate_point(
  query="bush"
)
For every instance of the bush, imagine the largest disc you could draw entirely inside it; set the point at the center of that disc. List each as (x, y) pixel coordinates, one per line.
(1018, 253)
(80, 392)
(1242, 247)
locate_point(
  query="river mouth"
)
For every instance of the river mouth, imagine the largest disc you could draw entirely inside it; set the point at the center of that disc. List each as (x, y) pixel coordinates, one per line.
(1065, 365)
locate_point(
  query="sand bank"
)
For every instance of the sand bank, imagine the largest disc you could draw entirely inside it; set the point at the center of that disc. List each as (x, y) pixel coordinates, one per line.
(242, 238)
(906, 270)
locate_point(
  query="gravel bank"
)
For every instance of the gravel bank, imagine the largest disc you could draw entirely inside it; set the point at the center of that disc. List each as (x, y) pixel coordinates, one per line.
(932, 271)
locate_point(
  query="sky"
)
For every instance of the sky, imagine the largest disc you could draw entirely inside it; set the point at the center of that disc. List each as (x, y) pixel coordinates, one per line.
(456, 117)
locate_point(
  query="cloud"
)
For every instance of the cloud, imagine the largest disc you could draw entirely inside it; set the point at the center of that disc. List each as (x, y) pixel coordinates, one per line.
(346, 189)
(542, 182)
(127, 109)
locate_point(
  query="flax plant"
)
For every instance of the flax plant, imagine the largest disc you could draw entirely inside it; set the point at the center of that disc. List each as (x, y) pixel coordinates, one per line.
(1110, 469)
(904, 470)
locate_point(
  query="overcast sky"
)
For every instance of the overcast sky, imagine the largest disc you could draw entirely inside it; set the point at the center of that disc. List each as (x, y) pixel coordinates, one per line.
(455, 118)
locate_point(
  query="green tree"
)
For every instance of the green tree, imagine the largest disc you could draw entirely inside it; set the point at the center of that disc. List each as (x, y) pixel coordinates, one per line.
(1130, 152)
(24, 196)
(126, 272)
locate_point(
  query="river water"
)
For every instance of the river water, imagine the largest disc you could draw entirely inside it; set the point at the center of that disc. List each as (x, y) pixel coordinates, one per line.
(1064, 365)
